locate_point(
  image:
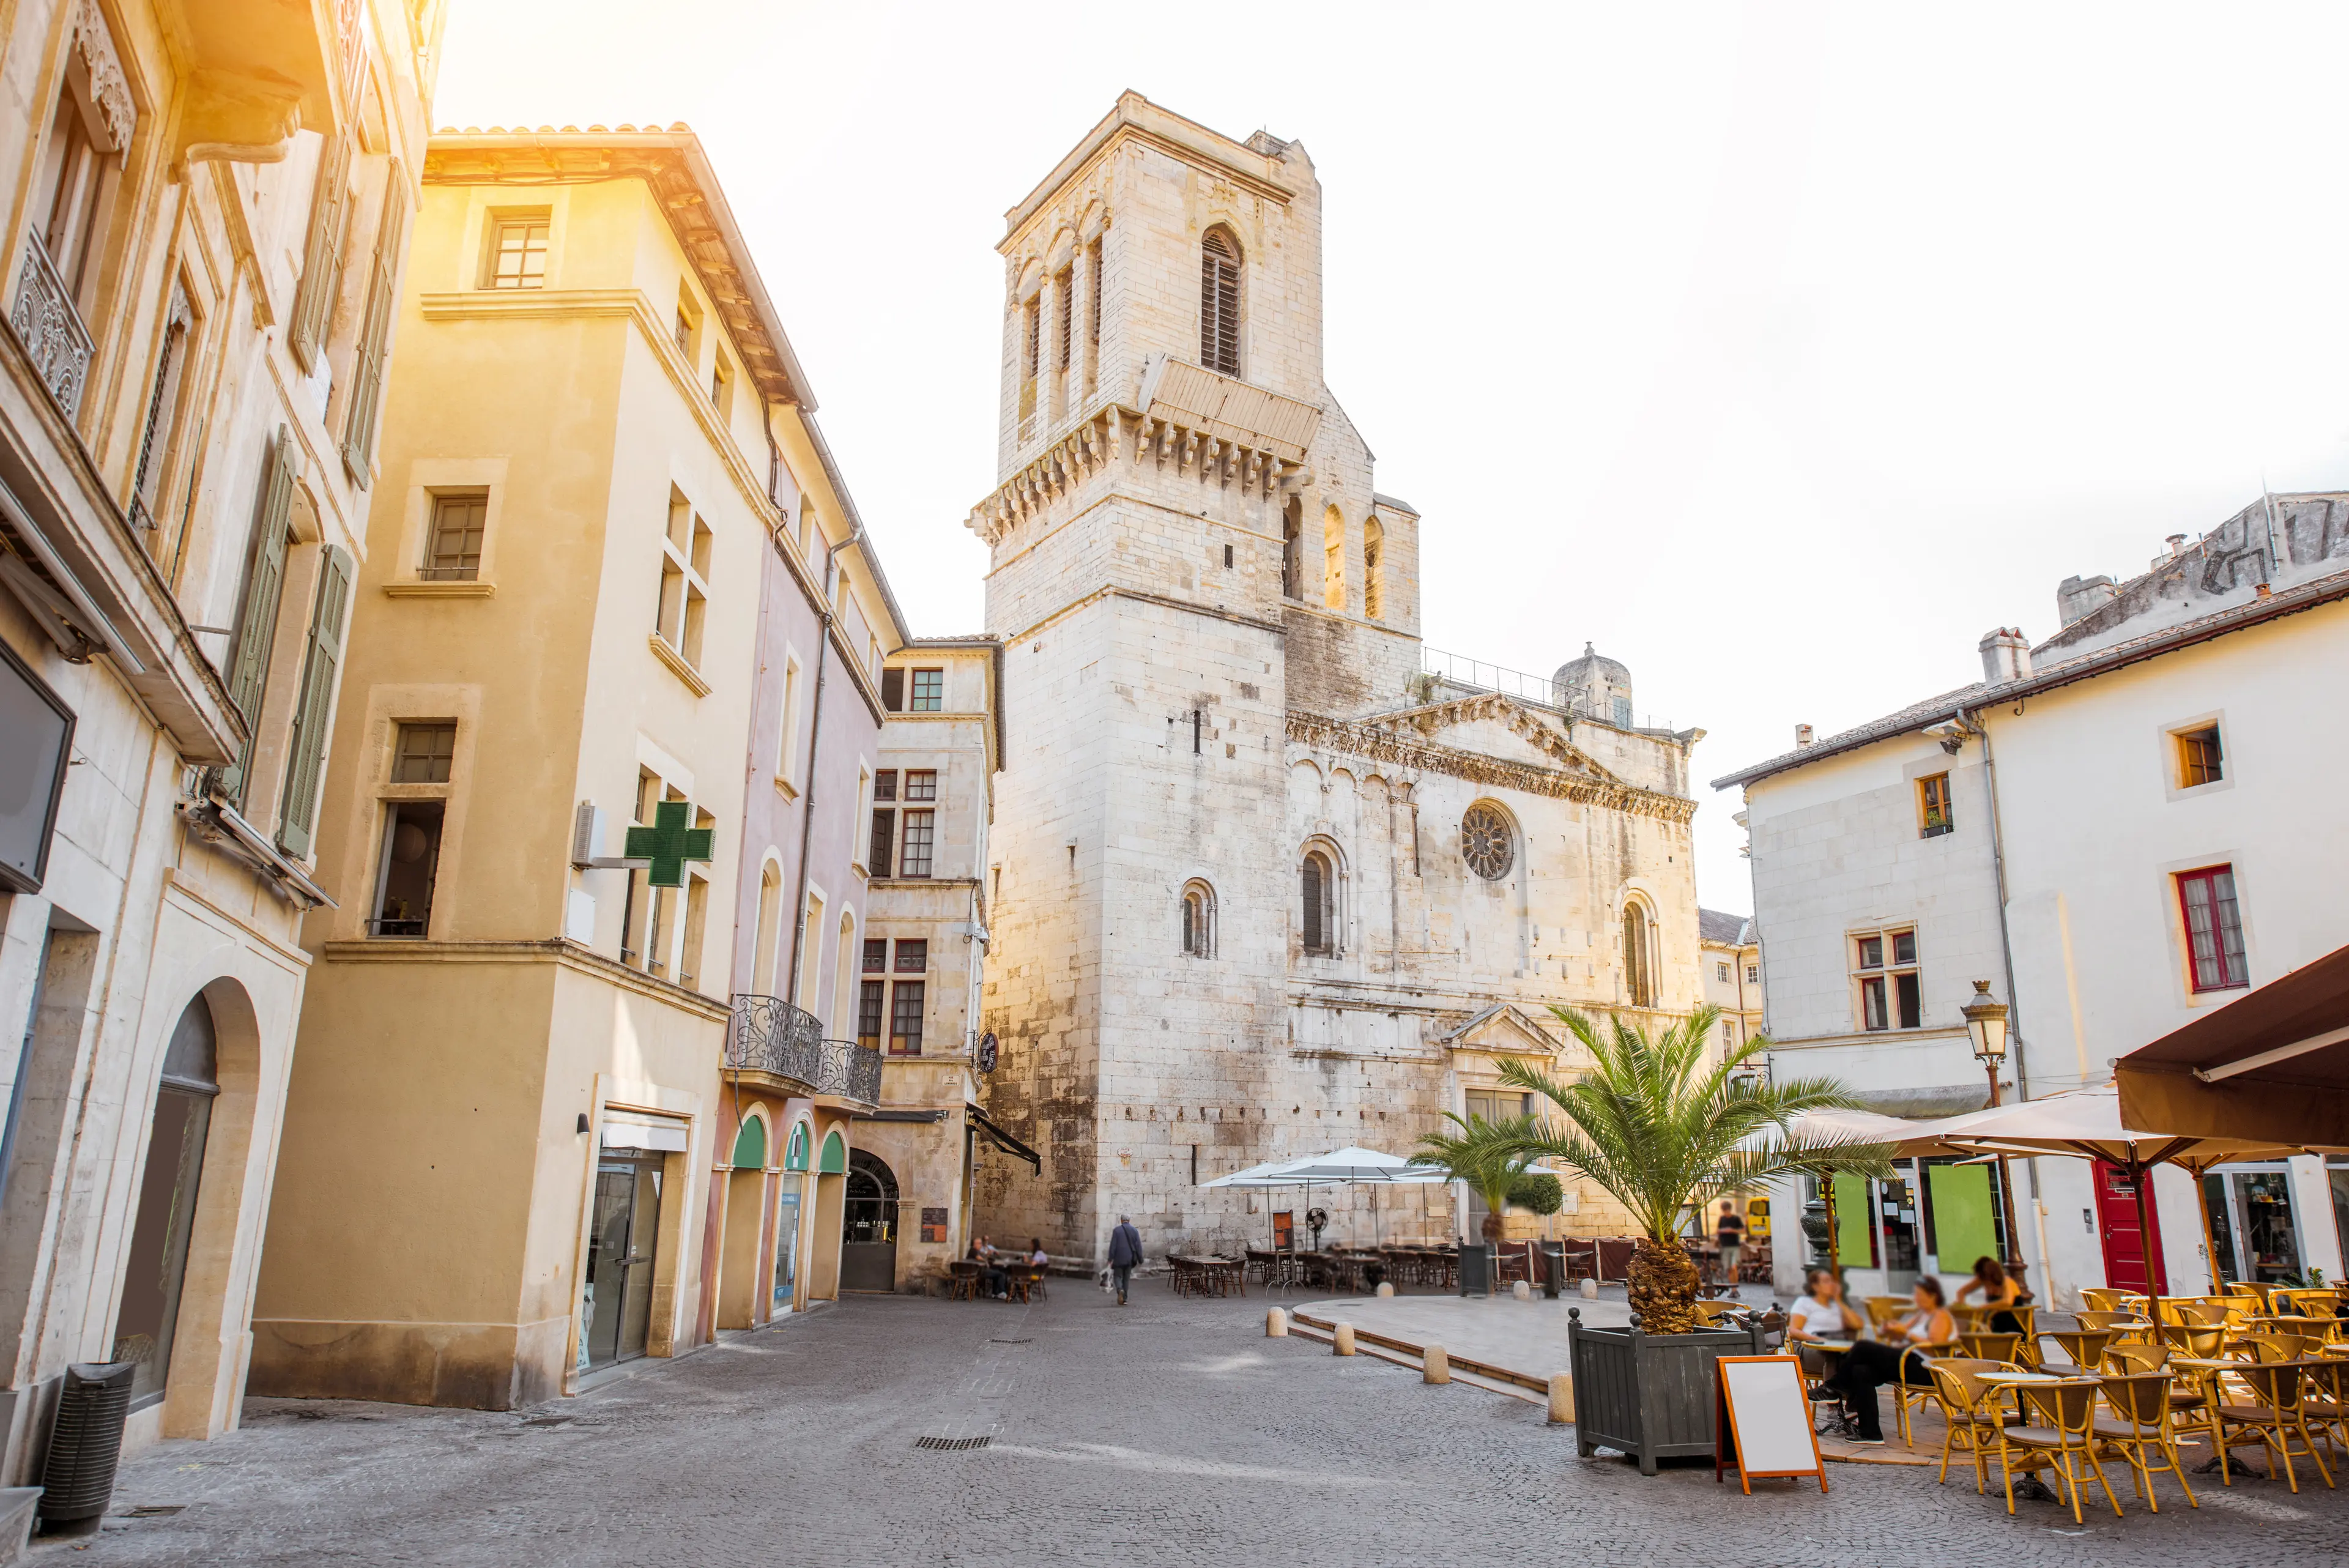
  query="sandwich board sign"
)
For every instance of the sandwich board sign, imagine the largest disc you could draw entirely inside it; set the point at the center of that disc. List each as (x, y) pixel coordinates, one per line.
(1763, 1421)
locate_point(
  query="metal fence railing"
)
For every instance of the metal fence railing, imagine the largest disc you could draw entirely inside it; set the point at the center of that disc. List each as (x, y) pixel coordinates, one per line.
(772, 1036)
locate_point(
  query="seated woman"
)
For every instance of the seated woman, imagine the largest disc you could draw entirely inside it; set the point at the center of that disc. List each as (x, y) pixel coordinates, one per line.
(1999, 1291)
(1819, 1312)
(1870, 1363)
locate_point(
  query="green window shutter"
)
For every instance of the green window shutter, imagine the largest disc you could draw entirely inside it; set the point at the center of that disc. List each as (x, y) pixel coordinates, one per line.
(750, 1145)
(298, 819)
(835, 1159)
(313, 302)
(375, 339)
(256, 626)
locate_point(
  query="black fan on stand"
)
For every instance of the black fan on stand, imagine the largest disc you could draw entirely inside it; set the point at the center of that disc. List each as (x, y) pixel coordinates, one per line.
(1317, 1220)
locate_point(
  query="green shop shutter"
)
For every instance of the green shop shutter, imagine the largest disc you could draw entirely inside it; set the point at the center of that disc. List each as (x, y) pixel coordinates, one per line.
(750, 1145)
(795, 1152)
(256, 626)
(1963, 1229)
(1855, 1225)
(323, 663)
(375, 338)
(313, 302)
(836, 1157)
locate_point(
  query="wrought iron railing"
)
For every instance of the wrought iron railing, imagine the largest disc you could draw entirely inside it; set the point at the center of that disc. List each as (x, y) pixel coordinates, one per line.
(769, 1036)
(1443, 675)
(50, 326)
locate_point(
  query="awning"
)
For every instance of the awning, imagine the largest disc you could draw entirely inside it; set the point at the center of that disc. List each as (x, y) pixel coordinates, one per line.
(637, 1129)
(1004, 1141)
(2272, 1064)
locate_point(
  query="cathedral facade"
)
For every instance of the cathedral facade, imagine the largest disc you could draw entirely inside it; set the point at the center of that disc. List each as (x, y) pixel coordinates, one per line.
(1260, 885)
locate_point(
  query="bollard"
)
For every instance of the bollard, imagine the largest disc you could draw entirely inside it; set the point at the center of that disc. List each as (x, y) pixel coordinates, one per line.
(1275, 1325)
(1561, 1399)
(1438, 1366)
(1522, 1291)
(1342, 1340)
(1385, 1289)
(1591, 1290)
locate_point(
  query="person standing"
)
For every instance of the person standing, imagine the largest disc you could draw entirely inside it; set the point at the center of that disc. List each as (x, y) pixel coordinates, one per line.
(1729, 1235)
(1125, 1254)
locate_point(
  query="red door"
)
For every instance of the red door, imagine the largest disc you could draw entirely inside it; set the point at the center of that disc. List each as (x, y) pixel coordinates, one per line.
(2117, 1223)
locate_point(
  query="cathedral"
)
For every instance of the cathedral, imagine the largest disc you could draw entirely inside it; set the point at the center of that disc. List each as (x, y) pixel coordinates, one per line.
(1261, 884)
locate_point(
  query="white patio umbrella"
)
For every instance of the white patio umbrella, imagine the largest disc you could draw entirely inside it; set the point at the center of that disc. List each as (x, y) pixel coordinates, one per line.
(1346, 1167)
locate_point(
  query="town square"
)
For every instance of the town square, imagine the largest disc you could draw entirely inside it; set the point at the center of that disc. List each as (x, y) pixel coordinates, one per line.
(1540, 780)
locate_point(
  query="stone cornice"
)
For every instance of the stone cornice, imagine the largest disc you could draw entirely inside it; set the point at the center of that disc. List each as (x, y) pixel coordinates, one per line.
(1115, 433)
(558, 951)
(1378, 740)
(1522, 723)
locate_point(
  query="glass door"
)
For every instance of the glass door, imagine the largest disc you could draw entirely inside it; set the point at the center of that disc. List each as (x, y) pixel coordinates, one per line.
(615, 1304)
(787, 1244)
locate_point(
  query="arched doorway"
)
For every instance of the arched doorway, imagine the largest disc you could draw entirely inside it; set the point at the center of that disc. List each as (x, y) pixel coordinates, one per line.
(868, 1238)
(168, 1195)
(746, 1212)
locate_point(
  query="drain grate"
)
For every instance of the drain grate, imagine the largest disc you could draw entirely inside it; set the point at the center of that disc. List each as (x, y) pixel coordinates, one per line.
(156, 1510)
(953, 1444)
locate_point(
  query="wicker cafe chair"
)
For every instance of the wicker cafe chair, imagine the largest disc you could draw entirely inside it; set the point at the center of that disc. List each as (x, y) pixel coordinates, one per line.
(2123, 1326)
(1906, 1393)
(2063, 1418)
(1881, 1310)
(2274, 1414)
(2203, 1341)
(2098, 1298)
(2273, 1347)
(2143, 1431)
(1974, 1410)
(1998, 1347)
(2324, 1398)
(2085, 1347)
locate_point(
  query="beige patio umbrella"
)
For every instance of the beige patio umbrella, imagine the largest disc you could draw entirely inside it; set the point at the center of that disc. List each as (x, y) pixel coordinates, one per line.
(2087, 1124)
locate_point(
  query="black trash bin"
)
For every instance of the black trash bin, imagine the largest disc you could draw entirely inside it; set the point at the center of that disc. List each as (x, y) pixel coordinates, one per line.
(1476, 1268)
(1553, 1256)
(85, 1443)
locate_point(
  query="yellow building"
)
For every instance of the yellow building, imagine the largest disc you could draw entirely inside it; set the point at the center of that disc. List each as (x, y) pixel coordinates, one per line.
(496, 1181)
(208, 207)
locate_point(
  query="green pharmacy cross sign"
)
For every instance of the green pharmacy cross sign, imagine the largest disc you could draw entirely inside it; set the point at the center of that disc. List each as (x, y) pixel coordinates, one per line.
(668, 844)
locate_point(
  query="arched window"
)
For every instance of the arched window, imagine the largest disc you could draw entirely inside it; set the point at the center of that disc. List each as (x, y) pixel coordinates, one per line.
(1219, 302)
(1198, 919)
(1292, 549)
(1374, 538)
(1333, 558)
(762, 952)
(1319, 886)
(1639, 973)
(1486, 843)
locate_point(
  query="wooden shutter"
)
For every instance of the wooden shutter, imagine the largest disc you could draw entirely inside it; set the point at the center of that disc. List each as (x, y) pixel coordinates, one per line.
(1219, 305)
(375, 339)
(1067, 286)
(256, 626)
(313, 302)
(297, 820)
(884, 840)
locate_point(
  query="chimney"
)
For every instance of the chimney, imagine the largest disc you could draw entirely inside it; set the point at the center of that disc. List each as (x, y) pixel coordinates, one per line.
(1802, 735)
(2005, 655)
(2176, 546)
(2076, 598)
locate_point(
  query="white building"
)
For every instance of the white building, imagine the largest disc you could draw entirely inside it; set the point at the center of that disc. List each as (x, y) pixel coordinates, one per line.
(1730, 957)
(2112, 829)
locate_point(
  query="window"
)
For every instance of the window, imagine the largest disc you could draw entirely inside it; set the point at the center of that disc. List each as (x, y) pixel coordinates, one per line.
(2198, 759)
(868, 1010)
(1093, 297)
(423, 754)
(452, 551)
(921, 784)
(684, 603)
(1639, 973)
(1891, 994)
(1933, 807)
(518, 253)
(912, 955)
(1292, 551)
(688, 320)
(1753, 974)
(1721, 973)
(876, 954)
(1199, 920)
(406, 871)
(929, 691)
(1333, 559)
(1219, 302)
(880, 859)
(721, 386)
(321, 255)
(893, 690)
(1374, 537)
(163, 414)
(2214, 928)
(375, 335)
(77, 176)
(786, 738)
(1066, 344)
(920, 830)
(906, 1017)
(1318, 891)
(1486, 843)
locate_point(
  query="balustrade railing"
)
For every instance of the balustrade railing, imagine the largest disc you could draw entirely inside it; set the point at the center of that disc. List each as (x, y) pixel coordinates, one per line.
(770, 1035)
(50, 328)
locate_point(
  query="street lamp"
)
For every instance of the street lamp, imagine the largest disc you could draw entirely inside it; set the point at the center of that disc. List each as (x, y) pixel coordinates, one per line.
(1986, 1024)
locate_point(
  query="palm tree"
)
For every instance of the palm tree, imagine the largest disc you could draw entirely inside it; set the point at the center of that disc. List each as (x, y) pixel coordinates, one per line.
(1483, 1154)
(1662, 1131)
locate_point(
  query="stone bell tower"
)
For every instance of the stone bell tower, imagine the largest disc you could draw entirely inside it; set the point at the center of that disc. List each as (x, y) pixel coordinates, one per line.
(1185, 547)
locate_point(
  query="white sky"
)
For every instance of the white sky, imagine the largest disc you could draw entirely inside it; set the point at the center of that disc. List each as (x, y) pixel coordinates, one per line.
(1780, 350)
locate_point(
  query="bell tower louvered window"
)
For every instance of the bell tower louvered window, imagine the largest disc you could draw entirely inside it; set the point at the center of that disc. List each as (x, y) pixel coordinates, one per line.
(1219, 303)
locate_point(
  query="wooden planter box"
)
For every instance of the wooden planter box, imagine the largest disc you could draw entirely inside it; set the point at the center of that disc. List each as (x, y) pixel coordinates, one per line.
(1649, 1394)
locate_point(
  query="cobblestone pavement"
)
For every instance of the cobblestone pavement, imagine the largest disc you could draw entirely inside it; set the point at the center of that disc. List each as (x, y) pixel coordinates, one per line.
(1170, 1433)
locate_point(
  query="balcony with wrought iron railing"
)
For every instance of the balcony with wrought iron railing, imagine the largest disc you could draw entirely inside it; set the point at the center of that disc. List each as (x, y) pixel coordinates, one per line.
(50, 328)
(775, 1042)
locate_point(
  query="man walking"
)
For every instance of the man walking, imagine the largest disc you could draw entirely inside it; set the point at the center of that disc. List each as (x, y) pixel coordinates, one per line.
(1729, 1235)
(1125, 1254)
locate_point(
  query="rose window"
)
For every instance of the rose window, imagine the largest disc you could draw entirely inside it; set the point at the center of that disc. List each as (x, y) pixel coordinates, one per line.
(1485, 841)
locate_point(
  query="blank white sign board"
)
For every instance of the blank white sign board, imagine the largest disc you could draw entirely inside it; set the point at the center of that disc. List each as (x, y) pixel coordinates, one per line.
(1768, 1416)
